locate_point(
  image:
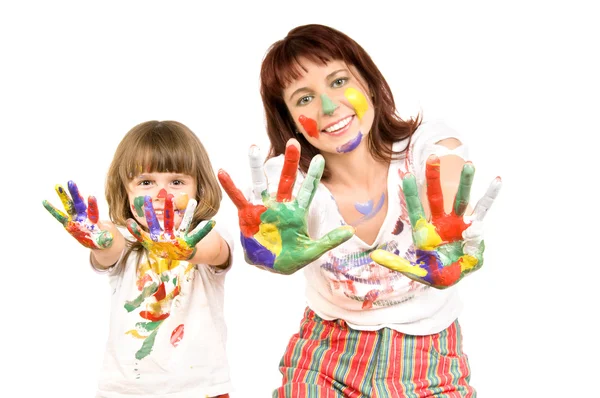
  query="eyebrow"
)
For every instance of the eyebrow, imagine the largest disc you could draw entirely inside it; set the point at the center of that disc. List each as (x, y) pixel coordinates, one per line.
(326, 78)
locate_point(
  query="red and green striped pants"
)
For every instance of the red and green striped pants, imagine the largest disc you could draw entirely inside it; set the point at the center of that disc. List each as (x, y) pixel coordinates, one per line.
(329, 359)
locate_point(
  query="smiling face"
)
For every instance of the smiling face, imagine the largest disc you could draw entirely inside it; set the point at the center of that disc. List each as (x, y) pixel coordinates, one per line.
(331, 106)
(158, 186)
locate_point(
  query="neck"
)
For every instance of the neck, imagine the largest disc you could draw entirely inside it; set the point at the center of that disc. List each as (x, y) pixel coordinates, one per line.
(355, 169)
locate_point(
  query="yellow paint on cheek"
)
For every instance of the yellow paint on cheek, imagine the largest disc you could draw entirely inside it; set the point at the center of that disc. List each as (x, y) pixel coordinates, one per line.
(357, 100)
(426, 236)
(268, 236)
(467, 262)
(181, 201)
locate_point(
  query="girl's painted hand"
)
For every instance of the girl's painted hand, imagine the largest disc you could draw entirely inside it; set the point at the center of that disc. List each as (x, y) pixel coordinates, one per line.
(80, 221)
(166, 243)
(274, 235)
(449, 246)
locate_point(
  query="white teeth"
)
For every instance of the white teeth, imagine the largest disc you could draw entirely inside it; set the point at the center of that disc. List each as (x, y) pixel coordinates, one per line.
(158, 212)
(339, 125)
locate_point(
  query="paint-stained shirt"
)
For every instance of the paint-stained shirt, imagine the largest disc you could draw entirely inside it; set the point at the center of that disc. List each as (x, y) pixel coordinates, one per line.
(167, 331)
(345, 283)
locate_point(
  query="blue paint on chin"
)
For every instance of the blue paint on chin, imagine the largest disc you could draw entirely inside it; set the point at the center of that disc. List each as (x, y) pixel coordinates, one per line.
(350, 145)
(256, 253)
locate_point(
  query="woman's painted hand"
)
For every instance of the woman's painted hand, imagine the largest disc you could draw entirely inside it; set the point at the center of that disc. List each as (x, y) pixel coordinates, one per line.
(80, 221)
(165, 242)
(274, 234)
(449, 246)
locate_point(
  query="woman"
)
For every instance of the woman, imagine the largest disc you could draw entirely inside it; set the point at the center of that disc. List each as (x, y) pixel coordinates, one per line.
(385, 330)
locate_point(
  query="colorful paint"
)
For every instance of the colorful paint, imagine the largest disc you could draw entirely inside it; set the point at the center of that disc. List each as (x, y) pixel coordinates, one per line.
(159, 282)
(309, 125)
(368, 209)
(79, 220)
(350, 145)
(447, 248)
(357, 100)
(327, 105)
(274, 235)
(166, 243)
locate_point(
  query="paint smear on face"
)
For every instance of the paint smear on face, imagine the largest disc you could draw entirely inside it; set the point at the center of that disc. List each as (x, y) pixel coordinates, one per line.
(327, 104)
(350, 145)
(138, 204)
(310, 126)
(181, 201)
(357, 100)
(162, 194)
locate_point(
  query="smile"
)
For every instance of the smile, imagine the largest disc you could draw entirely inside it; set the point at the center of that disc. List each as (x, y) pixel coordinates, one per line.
(338, 127)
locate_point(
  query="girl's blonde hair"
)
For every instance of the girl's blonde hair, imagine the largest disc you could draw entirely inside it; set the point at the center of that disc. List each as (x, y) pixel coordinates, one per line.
(161, 146)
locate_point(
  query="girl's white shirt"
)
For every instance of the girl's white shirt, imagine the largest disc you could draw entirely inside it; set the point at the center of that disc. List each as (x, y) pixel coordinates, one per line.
(186, 356)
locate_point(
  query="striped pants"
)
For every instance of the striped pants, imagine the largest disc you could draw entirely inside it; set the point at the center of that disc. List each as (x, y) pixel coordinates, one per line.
(327, 359)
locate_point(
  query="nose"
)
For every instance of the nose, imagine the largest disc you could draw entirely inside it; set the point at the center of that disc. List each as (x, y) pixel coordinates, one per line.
(327, 105)
(162, 194)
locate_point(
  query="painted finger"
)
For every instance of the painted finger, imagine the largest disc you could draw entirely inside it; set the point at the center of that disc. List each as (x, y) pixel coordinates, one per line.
(236, 196)
(151, 220)
(413, 203)
(168, 215)
(199, 232)
(311, 182)
(259, 181)
(484, 204)
(329, 241)
(463, 193)
(59, 215)
(93, 213)
(78, 202)
(434, 187)
(135, 230)
(396, 263)
(66, 200)
(288, 173)
(188, 216)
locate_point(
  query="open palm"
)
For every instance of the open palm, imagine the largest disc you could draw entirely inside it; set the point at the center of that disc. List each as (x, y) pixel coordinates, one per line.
(449, 246)
(80, 221)
(165, 242)
(274, 234)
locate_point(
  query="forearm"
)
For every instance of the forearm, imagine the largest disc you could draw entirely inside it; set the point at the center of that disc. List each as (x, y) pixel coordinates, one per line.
(106, 258)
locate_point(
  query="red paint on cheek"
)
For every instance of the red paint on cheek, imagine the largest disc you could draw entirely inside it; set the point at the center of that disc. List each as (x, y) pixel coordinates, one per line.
(310, 126)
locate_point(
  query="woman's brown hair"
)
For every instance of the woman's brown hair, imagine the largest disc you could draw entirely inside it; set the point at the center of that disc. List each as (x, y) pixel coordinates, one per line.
(322, 44)
(161, 146)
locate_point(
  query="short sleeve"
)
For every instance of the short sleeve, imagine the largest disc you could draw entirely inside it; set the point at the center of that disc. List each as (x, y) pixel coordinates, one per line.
(424, 143)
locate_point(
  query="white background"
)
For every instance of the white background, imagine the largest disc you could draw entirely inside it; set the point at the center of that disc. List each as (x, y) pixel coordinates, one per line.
(518, 79)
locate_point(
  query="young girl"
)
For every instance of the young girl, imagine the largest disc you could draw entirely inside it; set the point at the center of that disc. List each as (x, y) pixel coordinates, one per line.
(371, 329)
(167, 331)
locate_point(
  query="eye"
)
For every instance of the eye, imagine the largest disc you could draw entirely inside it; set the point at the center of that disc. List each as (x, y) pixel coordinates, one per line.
(305, 100)
(178, 182)
(339, 82)
(145, 182)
